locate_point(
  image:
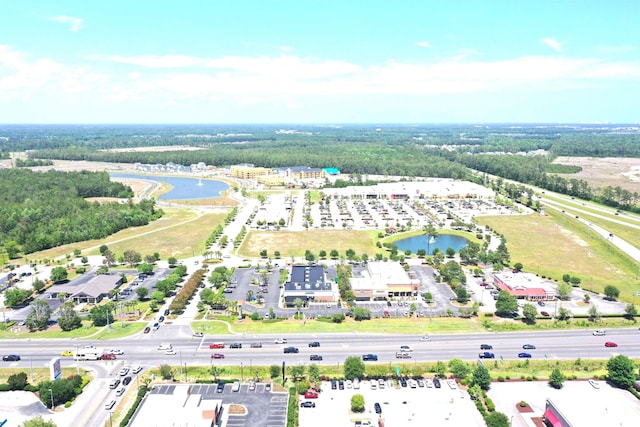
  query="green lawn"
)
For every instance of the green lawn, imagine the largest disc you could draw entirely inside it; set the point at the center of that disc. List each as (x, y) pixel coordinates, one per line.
(87, 331)
(556, 243)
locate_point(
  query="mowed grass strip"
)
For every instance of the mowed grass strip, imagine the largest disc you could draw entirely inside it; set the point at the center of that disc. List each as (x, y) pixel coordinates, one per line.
(556, 244)
(441, 325)
(291, 243)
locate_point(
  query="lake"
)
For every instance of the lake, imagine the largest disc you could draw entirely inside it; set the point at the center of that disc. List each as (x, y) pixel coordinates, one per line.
(442, 242)
(183, 188)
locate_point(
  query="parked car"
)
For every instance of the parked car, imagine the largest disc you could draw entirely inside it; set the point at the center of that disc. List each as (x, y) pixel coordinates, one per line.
(267, 387)
(524, 355)
(529, 347)
(220, 387)
(252, 385)
(315, 357)
(334, 385)
(311, 395)
(610, 344)
(486, 355)
(307, 404)
(217, 356)
(403, 381)
(436, 383)
(377, 408)
(340, 385)
(236, 386)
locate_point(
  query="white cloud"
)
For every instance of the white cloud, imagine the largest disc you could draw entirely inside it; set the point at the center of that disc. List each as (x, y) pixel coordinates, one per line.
(552, 43)
(75, 24)
(424, 44)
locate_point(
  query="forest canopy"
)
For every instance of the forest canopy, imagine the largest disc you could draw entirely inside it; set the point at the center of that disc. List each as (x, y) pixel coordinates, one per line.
(41, 210)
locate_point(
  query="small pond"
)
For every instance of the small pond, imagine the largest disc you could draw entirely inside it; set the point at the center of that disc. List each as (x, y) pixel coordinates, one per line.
(442, 242)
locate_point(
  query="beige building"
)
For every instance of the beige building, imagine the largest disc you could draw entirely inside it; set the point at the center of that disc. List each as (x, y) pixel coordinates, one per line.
(249, 172)
(382, 280)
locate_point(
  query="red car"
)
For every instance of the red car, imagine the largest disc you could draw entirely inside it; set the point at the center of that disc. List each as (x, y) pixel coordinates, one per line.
(108, 356)
(217, 356)
(610, 344)
(216, 345)
(147, 330)
(311, 395)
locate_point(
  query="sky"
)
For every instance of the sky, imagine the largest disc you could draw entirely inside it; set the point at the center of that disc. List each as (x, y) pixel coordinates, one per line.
(322, 61)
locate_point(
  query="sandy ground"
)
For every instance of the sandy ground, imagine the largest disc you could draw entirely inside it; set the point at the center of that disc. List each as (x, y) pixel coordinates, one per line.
(606, 171)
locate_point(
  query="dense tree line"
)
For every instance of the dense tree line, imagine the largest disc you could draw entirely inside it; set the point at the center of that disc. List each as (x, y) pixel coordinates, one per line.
(28, 163)
(41, 210)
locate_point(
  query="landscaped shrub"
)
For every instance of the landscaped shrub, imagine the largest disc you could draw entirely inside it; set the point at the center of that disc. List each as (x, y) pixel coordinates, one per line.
(490, 405)
(501, 379)
(142, 392)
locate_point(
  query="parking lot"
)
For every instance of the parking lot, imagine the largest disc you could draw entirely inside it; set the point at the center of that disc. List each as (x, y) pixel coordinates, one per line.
(400, 406)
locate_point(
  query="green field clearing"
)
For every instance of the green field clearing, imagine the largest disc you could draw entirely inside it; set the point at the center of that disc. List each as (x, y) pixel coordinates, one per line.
(179, 233)
(291, 243)
(555, 244)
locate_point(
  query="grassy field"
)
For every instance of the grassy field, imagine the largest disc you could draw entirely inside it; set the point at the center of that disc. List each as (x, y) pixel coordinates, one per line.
(555, 244)
(40, 374)
(179, 233)
(118, 330)
(295, 243)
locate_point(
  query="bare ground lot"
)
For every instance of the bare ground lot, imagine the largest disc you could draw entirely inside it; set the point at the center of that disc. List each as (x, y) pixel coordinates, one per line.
(606, 171)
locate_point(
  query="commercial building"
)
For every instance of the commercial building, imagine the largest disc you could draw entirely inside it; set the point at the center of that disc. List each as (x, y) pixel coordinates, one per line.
(308, 283)
(382, 280)
(429, 188)
(91, 292)
(249, 171)
(525, 286)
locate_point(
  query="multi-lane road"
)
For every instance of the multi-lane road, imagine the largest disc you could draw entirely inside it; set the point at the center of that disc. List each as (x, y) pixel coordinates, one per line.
(334, 348)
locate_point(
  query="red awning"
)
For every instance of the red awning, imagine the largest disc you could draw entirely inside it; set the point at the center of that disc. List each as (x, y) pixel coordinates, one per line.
(551, 417)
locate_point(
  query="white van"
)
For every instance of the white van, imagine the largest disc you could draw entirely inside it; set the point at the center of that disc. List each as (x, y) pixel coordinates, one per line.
(236, 386)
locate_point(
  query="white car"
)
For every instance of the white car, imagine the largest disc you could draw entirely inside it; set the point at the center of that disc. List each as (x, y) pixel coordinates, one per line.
(116, 351)
(165, 346)
(170, 352)
(280, 341)
(599, 333)
(124, 371)
(406, 348)
(137, 369)
(425, 338)
(120, 391)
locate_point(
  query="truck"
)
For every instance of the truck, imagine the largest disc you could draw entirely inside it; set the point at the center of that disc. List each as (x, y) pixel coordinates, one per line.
(87, 354)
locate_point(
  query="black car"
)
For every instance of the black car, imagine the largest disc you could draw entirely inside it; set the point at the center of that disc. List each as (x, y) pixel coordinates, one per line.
(161, 319)
(315, 357)
(307, 405)
(166, 312)
(377, 408)
(11, 358)
(220, 387)
(524, 355)
(486, 355)
(314, 344)
(372, 357)
(403, 381)
(256, 345)
(388, 303)
(341, 385)
(486, 347)
(291, 350)
(436, 383)
(235, 345)
(334, 384)
(126, 380)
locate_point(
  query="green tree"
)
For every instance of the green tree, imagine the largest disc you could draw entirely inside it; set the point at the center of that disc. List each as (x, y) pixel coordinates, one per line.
(357, 403)
(556, 379)
(314, 373)
(142, 293)
(461, 294)
(622, 371)
(611, 292)
(481, 377)
(506, 304)
(58, 274)
(103, 249)
(297, 303)
(145, 268)
(593, 314)
(351, 254)
(39, 315)
(529, 313)
(353, 368)
(564, 290)
(68, 319)
(459, 368)
(17, 381)
(518, 266)
(172, 261)
(12, 249)
(158, 296)
(274, 371)
(334, 254)
(15, 296)
(630, 311)
(360, 313)
(297, 372)
(575, 281)
(497, 419)
(101, 315)
(38, 422)
(450, 252)
(453, 274)
(564, 314)
(132, 257)
(38, 285)
(166, 372)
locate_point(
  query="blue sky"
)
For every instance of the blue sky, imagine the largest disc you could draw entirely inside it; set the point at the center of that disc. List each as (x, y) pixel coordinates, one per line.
(348, 61)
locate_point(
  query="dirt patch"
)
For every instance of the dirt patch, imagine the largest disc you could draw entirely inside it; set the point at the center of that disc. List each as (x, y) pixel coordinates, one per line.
(524, 409)
(237, 409)
(607, 171)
